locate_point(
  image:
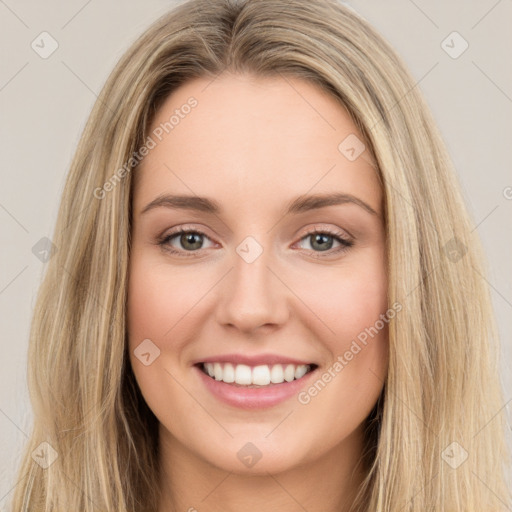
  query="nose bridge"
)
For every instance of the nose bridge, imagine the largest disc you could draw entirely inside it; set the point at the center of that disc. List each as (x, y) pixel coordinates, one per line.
(252, 295)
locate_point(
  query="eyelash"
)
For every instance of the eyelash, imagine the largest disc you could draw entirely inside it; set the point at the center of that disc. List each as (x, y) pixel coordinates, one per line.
(338, 236)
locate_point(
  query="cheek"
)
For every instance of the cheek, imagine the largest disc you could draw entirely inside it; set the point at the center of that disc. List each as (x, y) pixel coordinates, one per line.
(350, 383)
(158, 300)
(157, 307)
(354, 308)
(350, 299)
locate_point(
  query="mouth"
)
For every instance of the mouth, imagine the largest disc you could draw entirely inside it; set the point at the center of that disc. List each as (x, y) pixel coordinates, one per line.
(261, 376)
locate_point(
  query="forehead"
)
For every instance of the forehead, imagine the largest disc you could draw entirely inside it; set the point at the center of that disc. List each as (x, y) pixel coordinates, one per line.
(254, 138)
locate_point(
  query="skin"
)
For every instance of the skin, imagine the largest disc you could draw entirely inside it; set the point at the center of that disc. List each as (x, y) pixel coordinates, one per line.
(253, 145)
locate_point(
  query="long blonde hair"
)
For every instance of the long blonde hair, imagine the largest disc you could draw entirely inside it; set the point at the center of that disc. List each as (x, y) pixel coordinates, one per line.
(442, 385)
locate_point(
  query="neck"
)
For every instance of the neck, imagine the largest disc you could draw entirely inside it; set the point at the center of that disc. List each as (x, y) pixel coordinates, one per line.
(328, 483)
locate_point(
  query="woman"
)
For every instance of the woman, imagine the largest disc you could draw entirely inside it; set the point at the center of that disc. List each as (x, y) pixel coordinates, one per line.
(267, 292)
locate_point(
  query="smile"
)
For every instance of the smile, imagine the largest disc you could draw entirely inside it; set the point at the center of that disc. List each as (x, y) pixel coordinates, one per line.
(260, 386)
(255, 376)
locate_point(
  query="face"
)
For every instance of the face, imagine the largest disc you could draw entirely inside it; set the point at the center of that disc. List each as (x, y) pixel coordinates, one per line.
(266, 282)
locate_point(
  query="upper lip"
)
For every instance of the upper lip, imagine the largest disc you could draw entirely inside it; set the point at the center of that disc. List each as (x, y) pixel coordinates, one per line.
(254, 360)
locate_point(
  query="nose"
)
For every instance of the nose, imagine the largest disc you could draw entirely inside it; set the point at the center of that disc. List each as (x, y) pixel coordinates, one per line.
(252, 297)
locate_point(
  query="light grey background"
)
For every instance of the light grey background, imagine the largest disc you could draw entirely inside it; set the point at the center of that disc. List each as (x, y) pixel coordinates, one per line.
(44, 104)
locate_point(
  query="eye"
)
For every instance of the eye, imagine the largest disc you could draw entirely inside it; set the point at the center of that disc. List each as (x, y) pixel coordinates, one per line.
(324, 240)
(188, 241)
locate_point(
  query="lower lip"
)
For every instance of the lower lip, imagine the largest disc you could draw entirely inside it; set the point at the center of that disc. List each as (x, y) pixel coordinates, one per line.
(254, 398)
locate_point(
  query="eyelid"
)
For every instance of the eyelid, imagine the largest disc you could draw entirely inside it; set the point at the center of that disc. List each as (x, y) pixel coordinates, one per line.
(324, 228)
(195, 228)
(181, 229)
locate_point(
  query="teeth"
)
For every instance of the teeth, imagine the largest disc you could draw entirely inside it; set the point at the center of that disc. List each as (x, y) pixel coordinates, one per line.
(262, 375)
(209, 369)
(289, 373)
(228, 374)
(243, 374)
(300, 371)
(217, 371)
(276, 374)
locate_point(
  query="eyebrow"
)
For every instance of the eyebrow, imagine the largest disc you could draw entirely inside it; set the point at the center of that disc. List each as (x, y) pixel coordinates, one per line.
(298, 205)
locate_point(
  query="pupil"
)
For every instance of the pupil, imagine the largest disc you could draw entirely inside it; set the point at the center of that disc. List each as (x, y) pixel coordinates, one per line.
(323, 240)
(189, 238)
